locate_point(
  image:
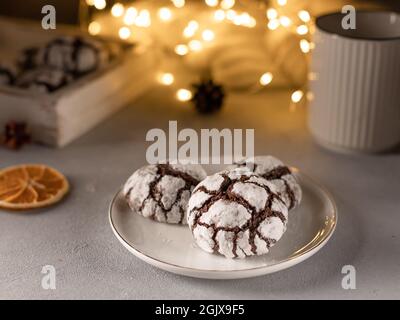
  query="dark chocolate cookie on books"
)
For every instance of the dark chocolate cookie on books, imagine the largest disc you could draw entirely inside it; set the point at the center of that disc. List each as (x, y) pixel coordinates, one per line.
(72, 54)
(161, 192)
(275, 171)
(236, 213)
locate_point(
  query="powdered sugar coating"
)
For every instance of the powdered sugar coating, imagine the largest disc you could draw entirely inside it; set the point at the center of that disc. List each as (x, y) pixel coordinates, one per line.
(275, 171)
(242, 216)
(161, 192)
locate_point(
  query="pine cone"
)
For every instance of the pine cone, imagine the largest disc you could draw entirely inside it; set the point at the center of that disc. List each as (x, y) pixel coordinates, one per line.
(208, 96)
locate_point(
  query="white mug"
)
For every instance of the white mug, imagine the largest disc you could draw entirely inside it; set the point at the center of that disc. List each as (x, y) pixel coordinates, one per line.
(355, 82)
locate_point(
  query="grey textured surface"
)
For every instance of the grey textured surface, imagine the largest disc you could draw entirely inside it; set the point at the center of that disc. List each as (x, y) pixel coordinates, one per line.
(76, 238)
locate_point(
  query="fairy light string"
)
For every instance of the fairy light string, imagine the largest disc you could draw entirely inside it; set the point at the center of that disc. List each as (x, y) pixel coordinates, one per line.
(278, 15)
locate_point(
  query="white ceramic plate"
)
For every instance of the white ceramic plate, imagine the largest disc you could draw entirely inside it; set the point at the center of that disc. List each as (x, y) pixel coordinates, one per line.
(171, 247)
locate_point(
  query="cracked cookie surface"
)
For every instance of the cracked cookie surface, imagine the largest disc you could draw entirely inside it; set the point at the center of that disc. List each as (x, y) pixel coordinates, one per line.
(236, 213)
(275, 171)
(161, 192)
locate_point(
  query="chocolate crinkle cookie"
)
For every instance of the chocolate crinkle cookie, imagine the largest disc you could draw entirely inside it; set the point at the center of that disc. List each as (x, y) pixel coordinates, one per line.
(275, 171)
(59, 62)
(236, 213)
(161, 192)
(28, 58)
(43, 80)
(7, 74)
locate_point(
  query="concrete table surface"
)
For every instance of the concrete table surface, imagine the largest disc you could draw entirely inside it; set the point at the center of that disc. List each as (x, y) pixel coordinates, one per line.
(75, 236)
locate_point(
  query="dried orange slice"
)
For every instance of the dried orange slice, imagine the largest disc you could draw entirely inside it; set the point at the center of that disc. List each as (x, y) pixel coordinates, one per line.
(31, 186)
